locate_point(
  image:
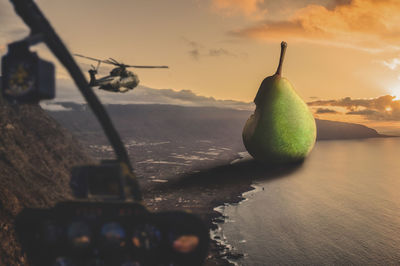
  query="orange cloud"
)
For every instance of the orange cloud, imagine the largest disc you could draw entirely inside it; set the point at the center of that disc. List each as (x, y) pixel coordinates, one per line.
(234, 7)
(383, 108)
(368, 24)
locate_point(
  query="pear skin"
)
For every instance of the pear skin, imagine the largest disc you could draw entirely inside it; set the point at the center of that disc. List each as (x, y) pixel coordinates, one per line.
(282, 128)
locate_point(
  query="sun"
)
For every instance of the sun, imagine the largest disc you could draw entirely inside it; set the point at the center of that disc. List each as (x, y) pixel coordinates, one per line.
(395, 91)
(388, 109)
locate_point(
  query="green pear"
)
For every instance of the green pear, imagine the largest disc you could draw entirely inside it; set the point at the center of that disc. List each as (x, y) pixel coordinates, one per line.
(282, 128)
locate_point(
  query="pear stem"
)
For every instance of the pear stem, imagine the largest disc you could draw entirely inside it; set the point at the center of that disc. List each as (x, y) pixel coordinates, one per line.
(283, 51)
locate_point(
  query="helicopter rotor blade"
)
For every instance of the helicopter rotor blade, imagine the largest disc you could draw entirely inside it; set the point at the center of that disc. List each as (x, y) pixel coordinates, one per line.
(87, 57)
(114, 62)
(95, 59)
(147, 66)
(108, 61)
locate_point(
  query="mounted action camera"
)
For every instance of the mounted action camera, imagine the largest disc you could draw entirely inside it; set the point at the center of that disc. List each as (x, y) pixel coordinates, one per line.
(25, 77)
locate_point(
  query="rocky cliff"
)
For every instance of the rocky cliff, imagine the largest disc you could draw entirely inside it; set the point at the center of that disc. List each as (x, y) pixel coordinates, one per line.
(36, 155)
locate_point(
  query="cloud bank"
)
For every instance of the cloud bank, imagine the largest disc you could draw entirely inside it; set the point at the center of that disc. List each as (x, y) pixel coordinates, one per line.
(383, 108)
(67, 92)
(326, 111)
(367, 24)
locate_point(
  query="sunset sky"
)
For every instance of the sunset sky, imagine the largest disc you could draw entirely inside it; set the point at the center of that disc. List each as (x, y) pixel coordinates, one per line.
(343, 56)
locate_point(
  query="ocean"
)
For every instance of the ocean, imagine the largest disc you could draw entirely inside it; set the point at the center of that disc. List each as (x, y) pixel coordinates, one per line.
(340, 207)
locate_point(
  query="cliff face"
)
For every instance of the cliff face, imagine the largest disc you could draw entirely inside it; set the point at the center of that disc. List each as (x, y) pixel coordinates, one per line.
(36, 155)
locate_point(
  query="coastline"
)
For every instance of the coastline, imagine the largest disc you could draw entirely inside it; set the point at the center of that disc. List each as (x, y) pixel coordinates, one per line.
(228, 252)
(202, 192)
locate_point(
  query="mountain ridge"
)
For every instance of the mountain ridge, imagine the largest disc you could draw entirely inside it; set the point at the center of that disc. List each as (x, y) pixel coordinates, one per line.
(171, 118)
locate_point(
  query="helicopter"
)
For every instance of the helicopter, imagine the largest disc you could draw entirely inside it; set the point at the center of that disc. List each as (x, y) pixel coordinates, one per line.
(120, 79)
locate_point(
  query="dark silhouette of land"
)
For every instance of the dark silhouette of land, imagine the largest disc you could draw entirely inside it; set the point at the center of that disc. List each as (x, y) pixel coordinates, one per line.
(36, 155)
(170, 122)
